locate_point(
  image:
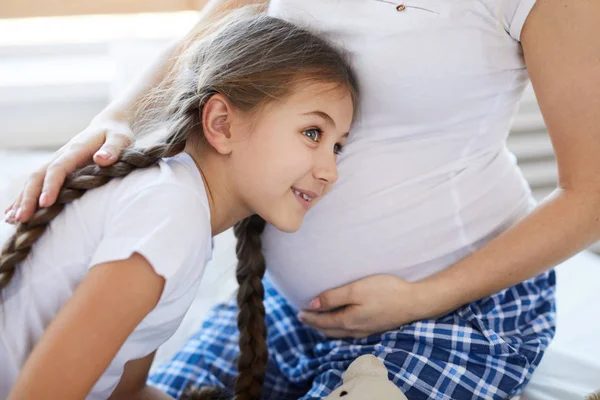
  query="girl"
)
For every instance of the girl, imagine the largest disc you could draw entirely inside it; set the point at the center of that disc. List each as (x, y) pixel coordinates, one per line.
(427, 253)
(255, 113)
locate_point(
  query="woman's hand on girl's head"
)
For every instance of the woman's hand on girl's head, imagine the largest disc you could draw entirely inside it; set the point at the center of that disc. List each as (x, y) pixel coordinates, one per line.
(103, 140)
(367, 306)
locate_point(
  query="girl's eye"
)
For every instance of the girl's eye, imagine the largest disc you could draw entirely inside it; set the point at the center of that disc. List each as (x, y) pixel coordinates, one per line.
(313, 134)
(338, 148)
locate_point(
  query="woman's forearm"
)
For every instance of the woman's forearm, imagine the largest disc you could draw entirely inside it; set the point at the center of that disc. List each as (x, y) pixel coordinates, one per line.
(564, 224)
(119, 108)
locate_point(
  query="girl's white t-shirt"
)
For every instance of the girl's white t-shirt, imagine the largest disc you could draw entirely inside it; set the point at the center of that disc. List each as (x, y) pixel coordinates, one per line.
(426, 177)
(161, 213)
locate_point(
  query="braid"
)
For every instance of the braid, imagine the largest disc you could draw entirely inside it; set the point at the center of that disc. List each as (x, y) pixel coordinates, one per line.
(254, 354)
(19, 245)
(251, 267)
(205, 393)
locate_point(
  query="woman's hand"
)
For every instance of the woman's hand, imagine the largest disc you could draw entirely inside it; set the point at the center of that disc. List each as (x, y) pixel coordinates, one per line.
(109, 133)
(367, 306)
(103, 140)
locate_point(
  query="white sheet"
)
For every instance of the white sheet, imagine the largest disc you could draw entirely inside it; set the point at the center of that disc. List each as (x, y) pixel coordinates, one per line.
(570, 368)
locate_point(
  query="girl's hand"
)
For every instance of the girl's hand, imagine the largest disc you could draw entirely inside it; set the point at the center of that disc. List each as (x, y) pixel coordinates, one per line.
(104, 139)
(370, 305)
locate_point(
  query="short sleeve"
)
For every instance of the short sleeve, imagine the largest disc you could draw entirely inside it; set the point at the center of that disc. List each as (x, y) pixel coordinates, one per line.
(514, 14)
(166, 223)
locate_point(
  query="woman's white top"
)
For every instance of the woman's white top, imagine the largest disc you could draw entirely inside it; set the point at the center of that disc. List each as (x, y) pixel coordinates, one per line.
(426, 177)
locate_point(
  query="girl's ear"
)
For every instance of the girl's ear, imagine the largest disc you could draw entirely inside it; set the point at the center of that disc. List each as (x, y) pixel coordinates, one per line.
(217, 116)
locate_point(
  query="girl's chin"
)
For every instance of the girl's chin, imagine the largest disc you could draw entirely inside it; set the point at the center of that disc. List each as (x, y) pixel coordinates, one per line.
(289, 224)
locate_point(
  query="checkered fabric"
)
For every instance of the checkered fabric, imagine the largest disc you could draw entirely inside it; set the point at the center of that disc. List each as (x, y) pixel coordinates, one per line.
(484, 350)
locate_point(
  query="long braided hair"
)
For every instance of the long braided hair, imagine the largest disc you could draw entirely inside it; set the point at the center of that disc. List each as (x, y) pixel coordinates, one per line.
(251, 59)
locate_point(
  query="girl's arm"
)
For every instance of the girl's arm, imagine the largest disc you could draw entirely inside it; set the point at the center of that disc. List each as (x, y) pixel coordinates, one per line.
(89, 330)
(108, 133)
(132, 385)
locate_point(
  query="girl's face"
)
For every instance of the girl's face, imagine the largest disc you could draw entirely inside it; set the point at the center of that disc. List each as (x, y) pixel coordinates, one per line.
(287, 160)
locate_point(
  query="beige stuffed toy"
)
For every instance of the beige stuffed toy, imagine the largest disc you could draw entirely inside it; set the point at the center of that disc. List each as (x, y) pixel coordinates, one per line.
(367, 379)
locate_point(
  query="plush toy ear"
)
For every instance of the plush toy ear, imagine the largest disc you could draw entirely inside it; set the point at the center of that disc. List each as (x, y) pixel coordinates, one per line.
(366, 365)
(367, 378)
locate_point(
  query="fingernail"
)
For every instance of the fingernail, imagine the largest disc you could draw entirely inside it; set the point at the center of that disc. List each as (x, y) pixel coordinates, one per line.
(9, 216)
(105, 155)
(315, 304)
(19, 214)
(301, 316)
(43, 200)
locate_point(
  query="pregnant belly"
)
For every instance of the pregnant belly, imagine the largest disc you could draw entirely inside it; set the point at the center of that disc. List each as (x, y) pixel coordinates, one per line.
(408, 230)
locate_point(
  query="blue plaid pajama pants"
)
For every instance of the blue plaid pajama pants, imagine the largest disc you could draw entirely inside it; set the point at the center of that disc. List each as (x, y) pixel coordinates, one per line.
(485, 350)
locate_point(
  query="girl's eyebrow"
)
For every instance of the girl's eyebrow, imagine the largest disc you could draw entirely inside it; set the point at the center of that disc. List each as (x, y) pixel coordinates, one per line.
(322, 115)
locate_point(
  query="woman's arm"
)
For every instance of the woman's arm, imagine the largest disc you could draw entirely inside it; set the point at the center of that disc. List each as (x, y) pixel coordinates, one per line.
(108, 133)
(89, 330)
(156, 73)
(561, 43)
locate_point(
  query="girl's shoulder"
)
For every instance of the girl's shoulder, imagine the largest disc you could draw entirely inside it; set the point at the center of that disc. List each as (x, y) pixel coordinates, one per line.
(162, 213)
(173, 178)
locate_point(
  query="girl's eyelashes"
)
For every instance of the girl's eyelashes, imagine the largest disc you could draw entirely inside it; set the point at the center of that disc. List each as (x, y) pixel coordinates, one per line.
(313, 134)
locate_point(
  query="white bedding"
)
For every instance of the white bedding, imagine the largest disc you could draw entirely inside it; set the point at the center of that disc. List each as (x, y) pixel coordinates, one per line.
(570, 369)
